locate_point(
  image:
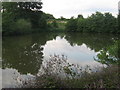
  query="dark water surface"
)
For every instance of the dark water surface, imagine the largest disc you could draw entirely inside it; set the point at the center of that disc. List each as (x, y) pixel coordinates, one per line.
(23, 55)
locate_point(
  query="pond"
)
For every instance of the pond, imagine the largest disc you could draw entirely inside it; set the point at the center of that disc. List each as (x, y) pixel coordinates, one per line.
(23, 55)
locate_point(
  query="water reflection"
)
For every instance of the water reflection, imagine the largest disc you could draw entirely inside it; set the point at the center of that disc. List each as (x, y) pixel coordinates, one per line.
(94, 41)
(22, 54)
(82, 54)
(12, 78)
(26, 53)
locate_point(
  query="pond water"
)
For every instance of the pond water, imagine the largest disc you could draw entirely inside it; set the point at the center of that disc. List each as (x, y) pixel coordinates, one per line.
(23, 55)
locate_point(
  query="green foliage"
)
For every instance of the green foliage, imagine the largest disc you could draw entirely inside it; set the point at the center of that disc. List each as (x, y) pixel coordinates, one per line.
(7, 23)
(54, 24)
(110, 23)
(20, 17)
(42, 22)
(7, 7)
(109, 55)
(30, 5)
(48, 16)
(98, 22)
(81, 25)
(62, 18)
(22, 26)
(71, 25)
(118, 21)
(80, 16)
(30, 12)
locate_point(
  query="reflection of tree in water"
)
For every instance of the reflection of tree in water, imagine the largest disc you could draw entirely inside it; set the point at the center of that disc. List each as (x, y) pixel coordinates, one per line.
(24, 53)
(94, 41)
(107, 44)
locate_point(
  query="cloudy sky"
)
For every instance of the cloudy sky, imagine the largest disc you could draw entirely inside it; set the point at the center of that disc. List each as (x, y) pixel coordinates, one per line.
(68, 8)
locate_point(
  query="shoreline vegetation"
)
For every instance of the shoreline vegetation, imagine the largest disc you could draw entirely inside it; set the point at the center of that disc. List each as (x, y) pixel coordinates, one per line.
(27, 18)
(58, 73)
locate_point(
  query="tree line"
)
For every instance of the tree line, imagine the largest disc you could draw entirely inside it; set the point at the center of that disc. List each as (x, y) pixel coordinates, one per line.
(27, 17)
(97, 22)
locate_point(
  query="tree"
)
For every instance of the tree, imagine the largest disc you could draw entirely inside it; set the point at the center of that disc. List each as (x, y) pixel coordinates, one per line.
(80, 16)
(49, 16)
(97, 22)
(110, 23)
(62, 18)
(71, 25)
(34, 6)
(81, 24)
(118, 23)
(27, 11)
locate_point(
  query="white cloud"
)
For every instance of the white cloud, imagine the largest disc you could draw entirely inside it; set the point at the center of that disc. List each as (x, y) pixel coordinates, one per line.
(68, 8)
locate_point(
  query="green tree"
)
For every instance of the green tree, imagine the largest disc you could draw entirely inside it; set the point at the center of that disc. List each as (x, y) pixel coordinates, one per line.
(62, 18)
(48, 16)
(81, 24)
(29, 12)
(97, 22)
(109, 23)
(71, 25)
(118, 24)
(80, 16)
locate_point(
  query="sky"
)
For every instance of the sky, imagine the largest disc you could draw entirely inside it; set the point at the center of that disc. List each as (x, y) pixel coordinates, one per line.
(69, 8)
